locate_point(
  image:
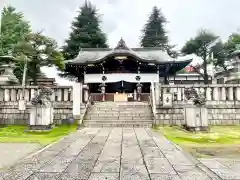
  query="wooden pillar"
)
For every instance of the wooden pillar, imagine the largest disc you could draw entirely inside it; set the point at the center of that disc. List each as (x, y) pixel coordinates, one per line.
(165, 79)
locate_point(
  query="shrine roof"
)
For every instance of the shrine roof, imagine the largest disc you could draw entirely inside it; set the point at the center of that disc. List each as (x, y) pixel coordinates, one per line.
(150, 55)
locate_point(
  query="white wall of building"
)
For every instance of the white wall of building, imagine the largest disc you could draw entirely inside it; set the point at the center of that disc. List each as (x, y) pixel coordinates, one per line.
(129, 77)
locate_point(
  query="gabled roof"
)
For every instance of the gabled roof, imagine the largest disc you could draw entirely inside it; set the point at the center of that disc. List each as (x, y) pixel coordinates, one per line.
(151, 55)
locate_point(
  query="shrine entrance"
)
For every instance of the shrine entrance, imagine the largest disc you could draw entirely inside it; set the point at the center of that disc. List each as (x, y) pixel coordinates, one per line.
(120, 91)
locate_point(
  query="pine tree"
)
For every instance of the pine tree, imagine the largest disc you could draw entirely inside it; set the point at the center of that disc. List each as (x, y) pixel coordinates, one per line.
(154, 34)
(86, 32)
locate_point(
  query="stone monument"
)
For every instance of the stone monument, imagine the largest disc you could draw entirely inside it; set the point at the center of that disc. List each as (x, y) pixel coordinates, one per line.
(41, 114)
(195, 111)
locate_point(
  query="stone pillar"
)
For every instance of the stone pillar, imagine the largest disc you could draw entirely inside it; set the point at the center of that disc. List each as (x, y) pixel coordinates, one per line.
(223, 93)
(77, 97)
(238, 93)
(230, 93)
(179, 94)
(59, 95)
(65, 94)
(6, 95)
(208, 94)
(26, 95)
(86, 93)
(157, 92)
(32, 93)
(216, 94)
(13, 95)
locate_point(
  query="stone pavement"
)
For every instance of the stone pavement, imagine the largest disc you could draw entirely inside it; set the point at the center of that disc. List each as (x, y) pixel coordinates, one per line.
(13, 152)
(225, 168)
(108, 153)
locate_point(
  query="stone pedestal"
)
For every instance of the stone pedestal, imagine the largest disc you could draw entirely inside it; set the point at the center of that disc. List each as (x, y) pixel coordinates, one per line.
(196, 118)
(41, 113)
(41, 118)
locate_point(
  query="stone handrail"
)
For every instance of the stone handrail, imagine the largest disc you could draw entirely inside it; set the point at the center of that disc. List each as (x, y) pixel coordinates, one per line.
(214, 92)
(13, 93)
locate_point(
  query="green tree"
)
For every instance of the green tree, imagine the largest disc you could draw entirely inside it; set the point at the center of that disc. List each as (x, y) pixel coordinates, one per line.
(154, 33)
(86, 32)
(202, 46)
(13, 29)
(18, 40)
(232, 43)
(37, 50)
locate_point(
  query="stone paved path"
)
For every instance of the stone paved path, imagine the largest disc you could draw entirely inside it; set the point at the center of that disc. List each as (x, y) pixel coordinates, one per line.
(225, 168)
(108, 153)
(13, 152)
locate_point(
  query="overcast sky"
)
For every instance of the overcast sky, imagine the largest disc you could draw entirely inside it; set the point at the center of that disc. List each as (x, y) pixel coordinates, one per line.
(126, 17)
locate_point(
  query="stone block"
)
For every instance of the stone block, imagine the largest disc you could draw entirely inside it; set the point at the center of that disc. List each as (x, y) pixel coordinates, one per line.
(166, 122)
(159, 165)
(100, 176)
(226, 116)
(196, 117)
(179, 122)
(168, 116)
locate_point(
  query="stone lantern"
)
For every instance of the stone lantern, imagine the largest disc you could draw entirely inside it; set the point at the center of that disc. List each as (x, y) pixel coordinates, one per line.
(139, 91)
(103, 91)
(7, 77)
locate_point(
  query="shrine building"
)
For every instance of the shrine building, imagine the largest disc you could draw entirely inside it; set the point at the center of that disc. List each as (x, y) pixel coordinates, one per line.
(123, 71)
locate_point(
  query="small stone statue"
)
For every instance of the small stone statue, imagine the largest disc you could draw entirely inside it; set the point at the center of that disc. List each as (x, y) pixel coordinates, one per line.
(191, 94)
(42, 96)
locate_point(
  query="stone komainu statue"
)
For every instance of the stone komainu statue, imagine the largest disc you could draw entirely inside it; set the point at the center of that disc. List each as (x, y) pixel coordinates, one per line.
(191, 94)
(42, 96)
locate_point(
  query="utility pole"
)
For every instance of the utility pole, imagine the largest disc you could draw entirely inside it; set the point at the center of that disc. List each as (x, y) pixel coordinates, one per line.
(24, 72)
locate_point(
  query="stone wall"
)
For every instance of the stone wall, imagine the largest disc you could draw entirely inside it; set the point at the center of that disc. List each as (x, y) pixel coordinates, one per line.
(9, 96)
(223, 103)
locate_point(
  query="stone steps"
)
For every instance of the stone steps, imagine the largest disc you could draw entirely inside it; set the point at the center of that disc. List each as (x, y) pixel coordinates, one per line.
(118, 121)
(95, 117)
(119, 125)
(119, 114)
(115, 114)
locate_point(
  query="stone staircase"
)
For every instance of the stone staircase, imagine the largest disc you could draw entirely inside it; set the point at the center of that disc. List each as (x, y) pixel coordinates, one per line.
(119, 114)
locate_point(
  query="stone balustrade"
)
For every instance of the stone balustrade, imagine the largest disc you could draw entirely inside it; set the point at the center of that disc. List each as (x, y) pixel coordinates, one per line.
(14, 93)
(216, 92)
(10, 95)
(222, 102)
